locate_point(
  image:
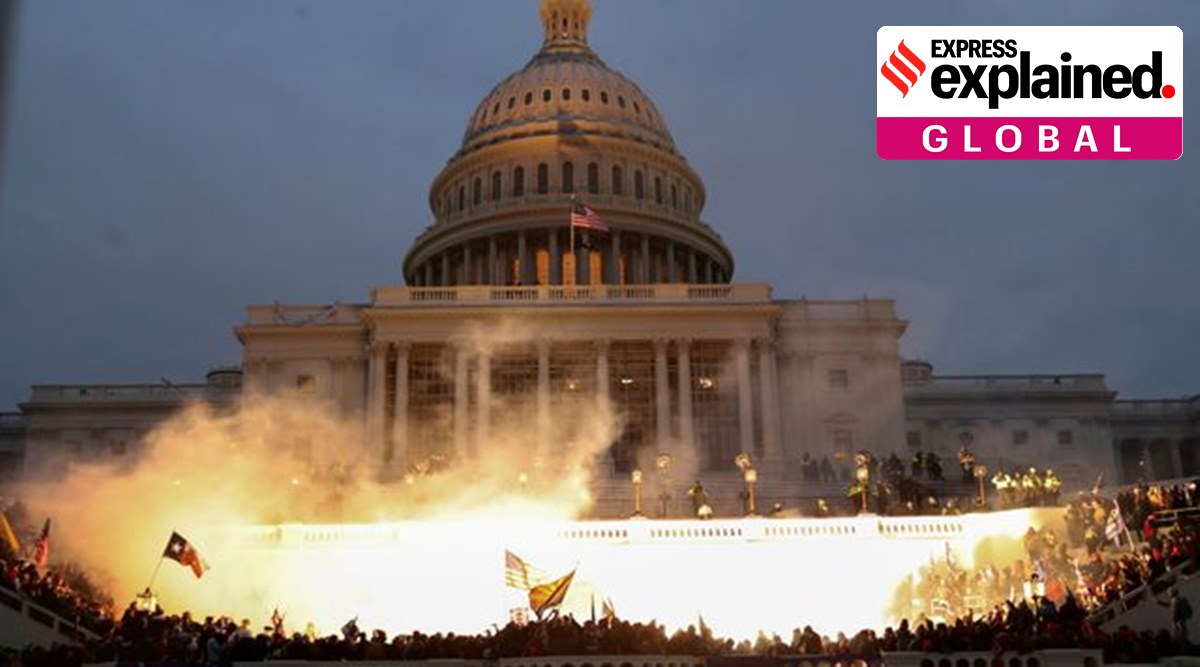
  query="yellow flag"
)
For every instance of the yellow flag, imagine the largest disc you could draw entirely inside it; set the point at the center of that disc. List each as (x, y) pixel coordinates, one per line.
(8, 537)
(550, 595)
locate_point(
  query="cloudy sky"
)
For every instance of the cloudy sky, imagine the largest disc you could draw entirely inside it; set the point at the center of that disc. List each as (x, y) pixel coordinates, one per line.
(169, 162)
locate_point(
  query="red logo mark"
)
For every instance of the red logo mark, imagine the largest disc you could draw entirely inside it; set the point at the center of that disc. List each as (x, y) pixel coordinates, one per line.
(900, 68)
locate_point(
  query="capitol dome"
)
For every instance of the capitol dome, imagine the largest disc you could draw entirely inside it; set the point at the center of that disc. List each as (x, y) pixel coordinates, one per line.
(565, 128)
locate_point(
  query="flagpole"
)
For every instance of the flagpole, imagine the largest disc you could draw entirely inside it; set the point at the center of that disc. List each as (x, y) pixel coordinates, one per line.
(154, 576)
(571, 223)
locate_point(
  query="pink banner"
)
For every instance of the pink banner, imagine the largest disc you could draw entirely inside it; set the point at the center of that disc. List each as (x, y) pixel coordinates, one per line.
(1029, 138)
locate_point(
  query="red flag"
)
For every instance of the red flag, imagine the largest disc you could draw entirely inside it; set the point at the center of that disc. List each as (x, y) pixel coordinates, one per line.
(181, 551)
(41, 547)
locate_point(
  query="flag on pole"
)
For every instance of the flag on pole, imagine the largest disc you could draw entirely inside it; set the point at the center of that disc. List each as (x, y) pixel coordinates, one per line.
(519, 574)
(1115, 526)
(608, 610)
(545, 597)
(41, 547)
(584, 216)
(8, 536)
(181, 551)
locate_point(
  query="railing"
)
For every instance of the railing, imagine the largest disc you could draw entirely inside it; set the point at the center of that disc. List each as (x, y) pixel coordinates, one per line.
(1090, 382)
(119, 392)
(1155, 409)
(475, 295)
(44, 617)
(303, 315)
(1045, 658)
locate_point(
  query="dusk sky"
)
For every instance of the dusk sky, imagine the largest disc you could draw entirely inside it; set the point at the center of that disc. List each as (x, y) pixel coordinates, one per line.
(170, 162)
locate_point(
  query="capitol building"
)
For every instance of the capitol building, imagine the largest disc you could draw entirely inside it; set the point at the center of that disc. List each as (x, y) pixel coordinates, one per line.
(508, 318)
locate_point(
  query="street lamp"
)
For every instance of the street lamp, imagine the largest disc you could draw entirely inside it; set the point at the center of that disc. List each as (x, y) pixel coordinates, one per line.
(863, 473)
(751, 479)
(663, 464)
(980, 473)
(637, 493)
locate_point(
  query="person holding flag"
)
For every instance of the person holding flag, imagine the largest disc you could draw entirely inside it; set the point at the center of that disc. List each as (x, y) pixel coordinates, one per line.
(549, 596)
(585, 218)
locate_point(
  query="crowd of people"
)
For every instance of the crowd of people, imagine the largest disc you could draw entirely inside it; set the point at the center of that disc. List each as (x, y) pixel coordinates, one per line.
(149, 637)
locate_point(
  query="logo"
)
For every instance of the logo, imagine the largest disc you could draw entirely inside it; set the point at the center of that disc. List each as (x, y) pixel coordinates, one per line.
(894, 68)
(1030, 93)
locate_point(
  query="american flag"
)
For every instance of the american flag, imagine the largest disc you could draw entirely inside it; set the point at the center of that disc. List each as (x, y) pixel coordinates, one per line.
(519, 574)
(585, 217)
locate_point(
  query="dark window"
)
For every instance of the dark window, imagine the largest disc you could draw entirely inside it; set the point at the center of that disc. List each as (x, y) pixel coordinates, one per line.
(543, 178)
(496, 109)
(639, 185)
(519, 182)
(621, 101)
(546, 95)
(462, 197)
(512, 102)
(1066, 437)
(687, 200)
(674, 196)
(658, 193)
(603, 97)
(528, 99)
(618, 185)
(568, 177)
(446, 204)
(636, 108)
(477, 192)
(496, 186)
(586, 95)
(1020, 437)
(306, 385)
(839, 378)
(594, 178)
(566, 94)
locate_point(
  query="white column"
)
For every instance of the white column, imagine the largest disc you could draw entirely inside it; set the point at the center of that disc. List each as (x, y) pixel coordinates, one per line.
(400, 412)
(768, 380)
(686, 429)
(376, 393)
(483, 403)
(602, 374)
(741, 352)
(461, 399)
(662, 396)
(543, 397)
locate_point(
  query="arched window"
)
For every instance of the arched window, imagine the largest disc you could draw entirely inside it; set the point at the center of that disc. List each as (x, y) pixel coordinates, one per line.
(603, 97)
(446, 204)
(477, 192)
(496, 109)
(658, 194)
(568, 177)
(512, 102)
(543, 178)
(496, 186)
(618, 183)
(639, 185)
(546, 95)
(586, 95)
(621, 101)
(528, 99)
(674, 196)
(519, 182)
(687, 200)
(462, 197)
(593, 178)
(566, 94)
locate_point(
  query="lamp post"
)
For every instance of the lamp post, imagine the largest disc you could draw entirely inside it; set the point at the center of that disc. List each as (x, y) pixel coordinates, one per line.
(663, 465)
(863, 474)
(751, 479)
(980, 473)
(637, 493)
